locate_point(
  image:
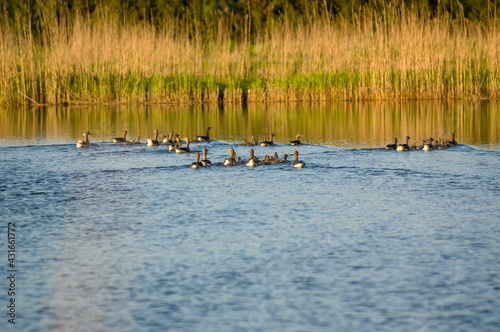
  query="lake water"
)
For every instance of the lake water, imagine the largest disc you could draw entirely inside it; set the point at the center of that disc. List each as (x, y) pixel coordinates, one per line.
(129, 238)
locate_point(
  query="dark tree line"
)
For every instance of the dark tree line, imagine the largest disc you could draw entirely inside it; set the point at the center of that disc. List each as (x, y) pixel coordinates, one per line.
(254, 13)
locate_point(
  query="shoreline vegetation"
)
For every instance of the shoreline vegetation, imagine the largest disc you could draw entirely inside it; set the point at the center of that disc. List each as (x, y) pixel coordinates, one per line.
(395, 52)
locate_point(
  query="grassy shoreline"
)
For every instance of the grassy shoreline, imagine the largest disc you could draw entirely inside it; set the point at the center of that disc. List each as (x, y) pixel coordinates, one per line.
(397, 54)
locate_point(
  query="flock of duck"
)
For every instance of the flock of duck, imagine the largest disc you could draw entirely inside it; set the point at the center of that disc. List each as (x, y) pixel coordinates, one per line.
(174, 143)
(427, 144)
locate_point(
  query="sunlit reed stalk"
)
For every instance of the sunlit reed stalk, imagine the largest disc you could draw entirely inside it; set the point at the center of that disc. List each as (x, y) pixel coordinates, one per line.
(396, 53)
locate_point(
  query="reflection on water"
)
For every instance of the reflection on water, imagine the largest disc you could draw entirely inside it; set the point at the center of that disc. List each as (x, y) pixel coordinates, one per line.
(116, 238)
(345, 125)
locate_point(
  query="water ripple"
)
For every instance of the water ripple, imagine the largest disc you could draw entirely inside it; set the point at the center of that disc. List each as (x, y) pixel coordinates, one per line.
(363, 240)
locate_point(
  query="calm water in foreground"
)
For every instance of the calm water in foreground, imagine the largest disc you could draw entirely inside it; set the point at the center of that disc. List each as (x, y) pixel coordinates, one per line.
(129, 238)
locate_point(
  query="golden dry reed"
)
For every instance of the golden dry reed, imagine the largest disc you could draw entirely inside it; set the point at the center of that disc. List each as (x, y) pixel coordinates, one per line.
(397, 53)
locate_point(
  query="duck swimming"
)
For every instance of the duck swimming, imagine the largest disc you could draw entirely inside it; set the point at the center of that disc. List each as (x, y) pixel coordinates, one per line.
(171, 148)
(231, 161)
(392, 146)
(205, 138)
(197, 163)
(252, 142)
(85, 143)
(441, 144)
(168, 140)
(252, 162)
(205, 161)
(268, 142)
(428, 146)
(180, 149)
(266, 161)
(275, 159)
(121, 139)
(453, 142)
(296, 163)
(403, 147)
(132, 142)
(153, 142)
(297, 140)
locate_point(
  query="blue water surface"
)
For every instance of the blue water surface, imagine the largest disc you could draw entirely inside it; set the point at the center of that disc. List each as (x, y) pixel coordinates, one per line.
(129, 238)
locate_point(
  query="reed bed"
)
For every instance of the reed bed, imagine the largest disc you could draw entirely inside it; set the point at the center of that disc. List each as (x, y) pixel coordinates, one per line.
(395, 53)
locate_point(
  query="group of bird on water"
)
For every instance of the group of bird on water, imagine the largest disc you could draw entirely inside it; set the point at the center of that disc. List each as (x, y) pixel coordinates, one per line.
(427, 144)
(174, 143)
